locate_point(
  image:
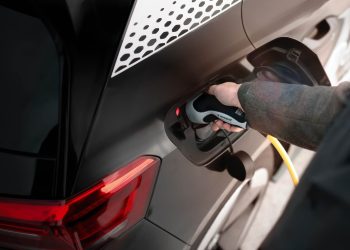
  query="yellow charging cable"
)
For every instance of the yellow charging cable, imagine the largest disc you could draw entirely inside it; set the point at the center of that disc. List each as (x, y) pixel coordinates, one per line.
(284, 155)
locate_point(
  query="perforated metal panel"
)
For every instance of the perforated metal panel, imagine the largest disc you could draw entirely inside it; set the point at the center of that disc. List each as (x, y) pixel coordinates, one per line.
(154, 24)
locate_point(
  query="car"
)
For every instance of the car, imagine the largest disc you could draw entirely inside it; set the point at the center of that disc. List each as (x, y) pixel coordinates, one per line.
(96, 151)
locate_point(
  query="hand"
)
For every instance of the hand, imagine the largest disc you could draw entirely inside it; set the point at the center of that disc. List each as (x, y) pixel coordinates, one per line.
(226, 93)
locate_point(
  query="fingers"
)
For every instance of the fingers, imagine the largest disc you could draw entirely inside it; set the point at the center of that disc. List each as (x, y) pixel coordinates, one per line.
(230, 128)
(215, 89)
(218, 124)
(226, 126)
(214, 127)
(212, 89)
(235, 129)
(225, 93)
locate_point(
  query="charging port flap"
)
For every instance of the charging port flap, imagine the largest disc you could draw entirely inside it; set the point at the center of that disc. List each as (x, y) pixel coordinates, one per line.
(291, 61)
(197, 142)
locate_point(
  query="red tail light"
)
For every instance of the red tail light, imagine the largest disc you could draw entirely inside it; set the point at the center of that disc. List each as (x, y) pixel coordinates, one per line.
(105, 210)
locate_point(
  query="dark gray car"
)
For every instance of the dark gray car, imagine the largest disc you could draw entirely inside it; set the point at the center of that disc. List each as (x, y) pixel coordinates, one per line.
(95, 149)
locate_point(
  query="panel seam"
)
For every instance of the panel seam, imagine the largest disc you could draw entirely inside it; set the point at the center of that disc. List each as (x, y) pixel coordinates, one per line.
(167, 231)
(243, 26)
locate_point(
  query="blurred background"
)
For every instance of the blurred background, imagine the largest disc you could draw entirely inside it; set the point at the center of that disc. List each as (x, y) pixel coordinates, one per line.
(277, 195)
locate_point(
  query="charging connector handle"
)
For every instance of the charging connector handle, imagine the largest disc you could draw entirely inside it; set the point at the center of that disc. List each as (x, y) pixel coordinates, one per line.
(205, 108)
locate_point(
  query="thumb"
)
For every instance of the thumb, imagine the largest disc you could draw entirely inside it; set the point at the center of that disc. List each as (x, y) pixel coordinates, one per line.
(212, 89)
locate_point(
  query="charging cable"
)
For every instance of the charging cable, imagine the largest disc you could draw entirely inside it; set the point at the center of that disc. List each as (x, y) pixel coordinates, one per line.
(282, 152)
(286, 159)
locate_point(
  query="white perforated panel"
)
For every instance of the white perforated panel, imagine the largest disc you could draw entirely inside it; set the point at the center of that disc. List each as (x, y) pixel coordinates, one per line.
(154, 24)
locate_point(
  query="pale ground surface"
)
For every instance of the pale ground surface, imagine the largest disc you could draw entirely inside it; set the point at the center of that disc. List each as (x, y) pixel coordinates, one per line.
(276, 198)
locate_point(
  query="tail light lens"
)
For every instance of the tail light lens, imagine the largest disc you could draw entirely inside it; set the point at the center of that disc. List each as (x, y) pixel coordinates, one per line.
(103, 211)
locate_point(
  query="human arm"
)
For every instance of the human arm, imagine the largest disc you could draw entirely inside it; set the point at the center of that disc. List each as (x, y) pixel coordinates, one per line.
(297, 114)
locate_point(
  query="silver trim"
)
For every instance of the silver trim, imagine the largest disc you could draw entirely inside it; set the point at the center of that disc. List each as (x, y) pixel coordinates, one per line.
(22, 234)
(341, 53)
(260, 178)
(260, 149)
(111, 234)
(221, 218)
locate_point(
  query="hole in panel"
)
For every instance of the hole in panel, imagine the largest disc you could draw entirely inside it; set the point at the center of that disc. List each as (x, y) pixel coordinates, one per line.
(194, 25)
(215, 12)
(182, 32)
(205, 19)
(160, 45)
(164, 35)
(151, 42)
(198, 14)
(171, 39)
(121, 67)
(134, 60)
(128, 45)
(124, 57)
(219, 2)
(138, 49)
(209, 8)
(187, 21)
(147, 53)
(176, 28)
(225, 6)
(179, 17)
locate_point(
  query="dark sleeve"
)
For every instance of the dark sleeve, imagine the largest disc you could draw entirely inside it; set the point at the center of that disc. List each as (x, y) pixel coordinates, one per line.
(297, 114)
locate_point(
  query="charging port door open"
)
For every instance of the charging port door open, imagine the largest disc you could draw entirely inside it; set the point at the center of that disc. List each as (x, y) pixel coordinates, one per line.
(291, 61)
(287, 59)
(198, 143)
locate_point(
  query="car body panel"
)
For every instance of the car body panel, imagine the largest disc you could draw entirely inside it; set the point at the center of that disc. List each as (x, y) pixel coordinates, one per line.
(109, 121)
(146, 235)
(292, 60)
(26, 176)
(188, 197)
(154, 25)
(295, 19)
(130, 123)
(130, 119)
(287, 15)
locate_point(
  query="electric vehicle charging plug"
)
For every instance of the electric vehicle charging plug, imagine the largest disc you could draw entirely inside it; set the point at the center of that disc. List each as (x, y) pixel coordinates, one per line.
(205, 108)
